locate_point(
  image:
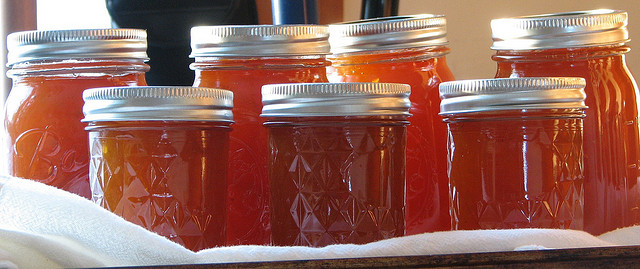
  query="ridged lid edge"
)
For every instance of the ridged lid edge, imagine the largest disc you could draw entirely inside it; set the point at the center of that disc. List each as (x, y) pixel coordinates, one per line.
(156, 103)
(388, 33)
(335, 99)
(466, 96)
(560, 30)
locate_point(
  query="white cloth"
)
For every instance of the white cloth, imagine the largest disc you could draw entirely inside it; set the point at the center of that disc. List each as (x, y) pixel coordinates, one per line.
(43, 227)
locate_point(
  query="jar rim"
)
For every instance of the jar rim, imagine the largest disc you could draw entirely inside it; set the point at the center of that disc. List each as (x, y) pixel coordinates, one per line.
(481, 95)
(157, 103)
(561, 30)
(421, 30)
(36, 45)
(335, 99)
(259, 40)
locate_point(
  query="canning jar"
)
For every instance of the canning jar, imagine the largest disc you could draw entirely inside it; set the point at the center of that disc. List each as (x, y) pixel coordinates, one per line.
(411, 50)
(242, 59)
(44, 137)
(159, 158)
(515, 152)
(591, 45)
(336, 161)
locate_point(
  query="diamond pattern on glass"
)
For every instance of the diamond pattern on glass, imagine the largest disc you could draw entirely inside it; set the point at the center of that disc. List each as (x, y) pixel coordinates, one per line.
(337, 184)
(169, 182)
(516, 174)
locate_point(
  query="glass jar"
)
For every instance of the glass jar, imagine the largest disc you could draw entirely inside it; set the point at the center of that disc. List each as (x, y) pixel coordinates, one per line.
(337, 161)
(515, 152)
(411, 50)
(159, 159)
(242, 59)
(592, 45)
(44, 137)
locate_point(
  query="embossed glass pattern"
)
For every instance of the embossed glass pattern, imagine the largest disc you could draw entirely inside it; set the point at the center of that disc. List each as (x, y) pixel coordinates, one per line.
(169, 177)
(336, 179)
(611, 136)
(514, 169)
(44, 137)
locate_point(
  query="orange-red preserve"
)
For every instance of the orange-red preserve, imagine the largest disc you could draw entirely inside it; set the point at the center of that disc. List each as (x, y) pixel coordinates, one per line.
(515, 152)
(337, 161)
(159, 159)
(242, 59)
(589, 44)
(411, 50)
(44, 136)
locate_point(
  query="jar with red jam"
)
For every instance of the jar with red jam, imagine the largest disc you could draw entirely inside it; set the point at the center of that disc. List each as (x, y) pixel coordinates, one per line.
(592, 45)
(411, 50)
(242, 59)
(43, 135)
(336, 161)
(159, 158)
(515, 152)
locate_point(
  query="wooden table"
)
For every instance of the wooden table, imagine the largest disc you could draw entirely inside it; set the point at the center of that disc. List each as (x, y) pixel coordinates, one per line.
(627, 257)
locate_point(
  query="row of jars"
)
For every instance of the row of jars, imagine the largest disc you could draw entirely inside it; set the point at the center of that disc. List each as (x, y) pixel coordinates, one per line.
(337, 156)
(46, 142)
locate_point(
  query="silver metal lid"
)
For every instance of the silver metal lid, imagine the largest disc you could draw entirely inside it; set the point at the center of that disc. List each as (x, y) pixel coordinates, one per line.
(560, 30)
(73, 44)
(335, 99)
(479, 95)
(259, 40)
(152, 103)
(398, 32)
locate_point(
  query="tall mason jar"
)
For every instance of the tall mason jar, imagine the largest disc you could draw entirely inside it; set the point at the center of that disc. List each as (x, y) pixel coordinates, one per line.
(411, 50)
(44, 137)
(591, 45)
(242, 59)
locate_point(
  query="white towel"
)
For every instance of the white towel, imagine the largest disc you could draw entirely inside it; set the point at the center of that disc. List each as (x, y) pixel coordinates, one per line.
(44, 227)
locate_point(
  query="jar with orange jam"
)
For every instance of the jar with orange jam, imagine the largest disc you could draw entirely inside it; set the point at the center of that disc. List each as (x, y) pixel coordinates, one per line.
(336, 162)
(44, 137)
(159, 158)
(515, 152)
(243, 59)
(411, 50)
(592, 45)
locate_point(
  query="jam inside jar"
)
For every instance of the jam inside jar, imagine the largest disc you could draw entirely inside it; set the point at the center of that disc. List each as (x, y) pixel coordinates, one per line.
(515, 152)
(163, 167)
(335, 179)
(44, 135)
(243, 64)
(516, 170)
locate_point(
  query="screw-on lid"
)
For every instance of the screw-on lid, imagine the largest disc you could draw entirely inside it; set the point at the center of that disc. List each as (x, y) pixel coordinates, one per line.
(479, 95)
(561, 30)
(398, 32)
(74, 44)
(152, 103)
(259, 40)
(335, 99)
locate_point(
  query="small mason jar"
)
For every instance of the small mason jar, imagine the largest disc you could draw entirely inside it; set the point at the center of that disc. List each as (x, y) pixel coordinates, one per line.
(515, 152)
(159, 158)
(243, 58)
(44, 137)
(411, 50)
(336, 161)
(592, 45)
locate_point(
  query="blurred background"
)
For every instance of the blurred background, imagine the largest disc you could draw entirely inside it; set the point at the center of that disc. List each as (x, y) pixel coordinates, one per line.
(166, 21)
